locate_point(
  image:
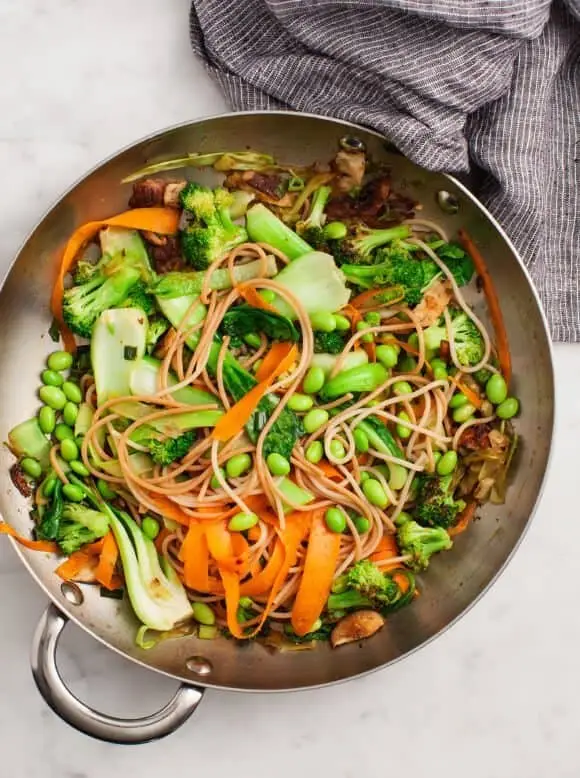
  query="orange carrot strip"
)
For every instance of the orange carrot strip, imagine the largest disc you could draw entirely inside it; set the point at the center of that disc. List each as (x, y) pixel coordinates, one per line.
(297, 526)
(238, 415)
(368, 297)
(161, 220)
(402, 581)
(33, 545)
(264, 580)
(503, 349)
(105, 571)
(168, 509)
(251, 296)
(472, 396)
(194, 554)
(270, 364)
(319, 566)
(329, 470)
(464, 520)
(231, 583)
(386, 549)
(78, 561)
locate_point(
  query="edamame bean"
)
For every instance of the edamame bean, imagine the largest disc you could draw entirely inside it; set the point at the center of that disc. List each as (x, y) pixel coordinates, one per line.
(257, 365)
(313, 380)
(336, 449)
(51, 378)
(407, 364)
(63, 432)
(342, 323)
(323, 321)
(73, 492)
(458, 400)
(335, 230)
(105, 490)
(268, 295)
(240, 522)
(53, 397)
(437, 456)
(402, 387)
(214, 482)
(49, 485)
(335, 520)
(369, 336)
(508, 408)
(203, 614)
(387, 355)
(402, 431)
(277, 464)
(440, 373)
(31, 467)
(361, 440)
(402, 518)
(207, 633)
(69, 450)
(397, 476)
(361, 524)
(300, 402)
(375, 493)
(314, 452)
(72, 392)
(78, 467)
(413, 341)
(464, 413)
(238, 465)
(253, 340)
(70, 413)
(364, 476)
(59, 360)
(150, 527)
(316, 626)
(438, 362)
(447, 463)
(496, 389)
(315, 419)
(46, 419)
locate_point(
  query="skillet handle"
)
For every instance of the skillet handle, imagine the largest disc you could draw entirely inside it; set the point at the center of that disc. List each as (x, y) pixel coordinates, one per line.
(108, 728)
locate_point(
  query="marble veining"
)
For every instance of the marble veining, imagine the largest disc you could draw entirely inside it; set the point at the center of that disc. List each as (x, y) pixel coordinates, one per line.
(495, 697)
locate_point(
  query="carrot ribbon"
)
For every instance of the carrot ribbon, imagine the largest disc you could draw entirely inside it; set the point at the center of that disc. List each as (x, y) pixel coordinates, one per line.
(164, 221)
(319, 567)
(33, 545)
(105, 570)
(503, 349)
(283, 357)
(251, 296)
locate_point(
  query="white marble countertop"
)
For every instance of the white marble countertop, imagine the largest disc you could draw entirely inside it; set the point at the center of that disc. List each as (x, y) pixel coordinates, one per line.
(495, 697)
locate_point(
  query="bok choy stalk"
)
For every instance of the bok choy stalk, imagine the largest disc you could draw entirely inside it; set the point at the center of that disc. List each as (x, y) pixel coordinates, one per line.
(154, 589)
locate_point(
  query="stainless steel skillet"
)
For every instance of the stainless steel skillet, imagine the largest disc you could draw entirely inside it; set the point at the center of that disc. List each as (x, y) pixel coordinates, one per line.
(455, 581)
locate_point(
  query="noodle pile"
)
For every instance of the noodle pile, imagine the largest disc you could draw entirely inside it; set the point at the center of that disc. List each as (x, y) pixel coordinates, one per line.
(183, 492)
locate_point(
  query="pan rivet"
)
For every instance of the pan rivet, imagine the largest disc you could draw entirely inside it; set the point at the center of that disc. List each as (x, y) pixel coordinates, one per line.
(72, 593)
(447, 201)
(351, 143)
(199, 665)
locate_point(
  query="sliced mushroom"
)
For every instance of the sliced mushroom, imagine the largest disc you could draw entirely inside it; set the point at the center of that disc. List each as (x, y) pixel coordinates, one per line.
(350, 167)
(356, 626)
(434, 302)
(172, 192)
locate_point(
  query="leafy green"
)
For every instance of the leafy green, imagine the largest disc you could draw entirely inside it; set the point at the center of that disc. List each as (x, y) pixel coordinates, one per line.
(244, 319)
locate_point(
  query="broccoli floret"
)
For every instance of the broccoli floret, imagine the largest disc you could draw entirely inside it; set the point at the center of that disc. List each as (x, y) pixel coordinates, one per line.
(364, 586)
(83, 304)
(420, 543)
(139, 297)
(329, 342)
(311, 228)
(359, 248)
(156, 328)
(123, 264)
(469, 344)
(212, 233)
(80, 525)
(436, 506)
(396, 269)
(164, 452)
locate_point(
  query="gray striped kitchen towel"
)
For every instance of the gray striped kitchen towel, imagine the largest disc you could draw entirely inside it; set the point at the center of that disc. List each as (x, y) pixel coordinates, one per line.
(491, 86)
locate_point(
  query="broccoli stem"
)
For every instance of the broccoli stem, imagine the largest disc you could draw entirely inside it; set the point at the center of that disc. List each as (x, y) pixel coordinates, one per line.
(264, 227)
(375, 238)
(347, 600)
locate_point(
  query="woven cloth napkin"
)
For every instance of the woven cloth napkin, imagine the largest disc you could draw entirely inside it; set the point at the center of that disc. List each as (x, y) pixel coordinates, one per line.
(484, 86)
